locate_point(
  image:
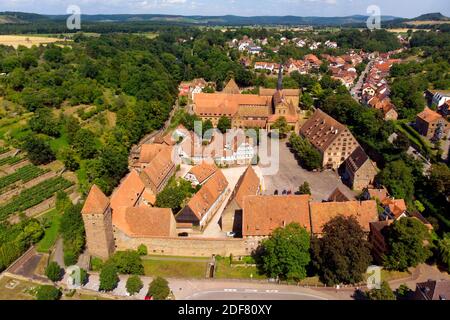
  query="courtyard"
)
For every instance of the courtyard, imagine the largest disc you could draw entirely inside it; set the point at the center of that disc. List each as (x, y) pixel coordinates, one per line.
(291, 175)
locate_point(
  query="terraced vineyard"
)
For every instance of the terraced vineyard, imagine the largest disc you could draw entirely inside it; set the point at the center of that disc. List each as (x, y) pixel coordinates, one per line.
(33, 196)
(10, 160)
(23, 174)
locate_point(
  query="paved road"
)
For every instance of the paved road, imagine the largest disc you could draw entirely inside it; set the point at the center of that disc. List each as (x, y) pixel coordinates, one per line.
(358, 86)
(198, 289)
(251, 294)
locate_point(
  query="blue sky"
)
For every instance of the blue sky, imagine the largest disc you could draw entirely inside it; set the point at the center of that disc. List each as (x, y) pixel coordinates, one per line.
(401, 8)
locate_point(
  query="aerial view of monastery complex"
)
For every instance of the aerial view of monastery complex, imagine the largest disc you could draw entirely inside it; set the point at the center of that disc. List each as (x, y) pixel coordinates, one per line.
(176, 157)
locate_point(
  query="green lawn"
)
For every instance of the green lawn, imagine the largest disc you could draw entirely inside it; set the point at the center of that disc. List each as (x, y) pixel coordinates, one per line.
(175, 269)
(51, 233)
(60, 143)
(225, 271)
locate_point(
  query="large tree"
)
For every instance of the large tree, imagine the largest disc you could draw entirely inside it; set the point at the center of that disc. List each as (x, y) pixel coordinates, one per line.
(282, 126)
(398, 177)
(39, 151)
(108, 277)
(224, 124)
(384, 293)
(444, 251)
(408, 241)
(308, 156)
(342, 255)
(285, 253)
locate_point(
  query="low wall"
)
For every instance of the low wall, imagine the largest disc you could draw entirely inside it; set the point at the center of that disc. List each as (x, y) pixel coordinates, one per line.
(194, 247)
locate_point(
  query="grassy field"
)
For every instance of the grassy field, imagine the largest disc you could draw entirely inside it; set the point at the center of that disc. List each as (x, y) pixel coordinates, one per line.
(51, 234)
(175, 269)
(225, 271)
(27, 41)
(13, 289)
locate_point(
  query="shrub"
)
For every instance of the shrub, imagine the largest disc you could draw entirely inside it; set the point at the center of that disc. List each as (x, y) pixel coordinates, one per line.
(142, 250)
(134, 285)
(159, 289)
(48, 293)
(53, 271)
(127, 262)
(70, 258)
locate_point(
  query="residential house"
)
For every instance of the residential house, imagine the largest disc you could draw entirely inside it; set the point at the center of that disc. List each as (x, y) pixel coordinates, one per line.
(431, 124)
(440, 97)
(433, 290)
(199, 174)
(269, 66)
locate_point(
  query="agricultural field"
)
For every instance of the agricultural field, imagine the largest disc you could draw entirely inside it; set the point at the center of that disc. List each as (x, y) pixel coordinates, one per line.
(24, 174)
(27, 41)
(33, 196)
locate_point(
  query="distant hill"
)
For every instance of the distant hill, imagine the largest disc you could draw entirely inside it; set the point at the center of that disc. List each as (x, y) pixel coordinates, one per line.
(437, 16)
(18, 17)
(422, 20)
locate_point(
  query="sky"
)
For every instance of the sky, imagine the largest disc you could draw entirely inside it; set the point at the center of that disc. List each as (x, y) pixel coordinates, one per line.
(323, 8)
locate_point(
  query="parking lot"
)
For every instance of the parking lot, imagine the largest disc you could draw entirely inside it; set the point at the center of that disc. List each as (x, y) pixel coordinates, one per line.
(291, 175)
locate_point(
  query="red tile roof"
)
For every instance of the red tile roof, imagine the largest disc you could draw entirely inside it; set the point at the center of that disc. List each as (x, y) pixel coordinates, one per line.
(203, 200)
(148, 222)
(96, 202)
(263, 214)
(365, 212)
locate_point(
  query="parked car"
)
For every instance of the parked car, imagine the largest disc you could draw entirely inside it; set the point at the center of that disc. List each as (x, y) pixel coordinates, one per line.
(275, 192)
(148, 298)
(231, 234)
(183, 234)
(284, 192)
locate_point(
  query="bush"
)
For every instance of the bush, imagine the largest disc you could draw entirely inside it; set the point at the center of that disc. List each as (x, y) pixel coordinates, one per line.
(48, 293)
(134, 285)
(108, 278)
(159, 289)
(142, 250)
(70, 258)
(96, 264)
(53, 271)
(127, 262)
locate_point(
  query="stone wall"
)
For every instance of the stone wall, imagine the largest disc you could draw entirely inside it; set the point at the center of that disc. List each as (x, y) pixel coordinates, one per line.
(193, 247)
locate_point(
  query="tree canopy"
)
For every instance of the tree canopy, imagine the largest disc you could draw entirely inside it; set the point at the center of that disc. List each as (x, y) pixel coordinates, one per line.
(286, 252)
(408, 240)
(342, 254)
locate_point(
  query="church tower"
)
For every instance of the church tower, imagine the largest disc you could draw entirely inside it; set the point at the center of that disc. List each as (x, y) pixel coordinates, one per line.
(97, 219)
(280, 78)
